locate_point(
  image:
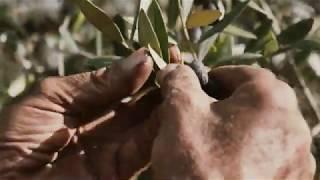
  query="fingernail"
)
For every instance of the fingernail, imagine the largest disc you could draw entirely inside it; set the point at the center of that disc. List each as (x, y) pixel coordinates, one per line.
(175, 55)
(137, 58)
(163, 73)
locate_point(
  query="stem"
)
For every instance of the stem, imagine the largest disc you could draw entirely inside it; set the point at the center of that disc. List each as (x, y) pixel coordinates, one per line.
(196, 65)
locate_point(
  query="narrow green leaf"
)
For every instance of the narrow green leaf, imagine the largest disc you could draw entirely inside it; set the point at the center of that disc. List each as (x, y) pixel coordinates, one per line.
(261, 33)
(296, 32)
(267, 45)
(205, 46)
(222, 48)
(173, 13)
(100, 62)
(253, 5)
(100, 20)
(237, 31)
(271, 45)
(144, 4)
(308, 45)
(229, 18)
(202, 18)
(146, 33)
(266, 11)
(156, 58)
(186, 6)
(156, 18)
(270, 15)
(301, 57)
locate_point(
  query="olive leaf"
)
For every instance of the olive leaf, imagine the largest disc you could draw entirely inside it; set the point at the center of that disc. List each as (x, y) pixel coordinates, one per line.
(185, 7)
(146, 33)
(296, 32)
(156, 58)
(144, 4)
(173, 13)
(237, 31)
(202, 18)
(308, 45)
(270, 15)
(156, 18)
(229, 18)
(253, 5)
(265, 11)
(271, 46)
(101, 21)
(205, 46)
(221, 48)
(261, 32)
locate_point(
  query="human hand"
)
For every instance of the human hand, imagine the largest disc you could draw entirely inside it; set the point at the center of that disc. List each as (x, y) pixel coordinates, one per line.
(78, 125)
(255, 132)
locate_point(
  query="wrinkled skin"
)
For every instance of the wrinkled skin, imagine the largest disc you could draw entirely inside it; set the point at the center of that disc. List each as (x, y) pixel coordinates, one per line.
(76, 128)
(255, 132)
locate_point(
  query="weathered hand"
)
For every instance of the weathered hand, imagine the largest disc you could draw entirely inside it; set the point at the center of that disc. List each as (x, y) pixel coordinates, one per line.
(255, 132)
(75, 127)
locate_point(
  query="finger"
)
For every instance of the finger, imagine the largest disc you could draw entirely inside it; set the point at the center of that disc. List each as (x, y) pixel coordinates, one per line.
(135, 153)
(85, 91)
(227, 79)
(119, 119)
(119, 148)
(175, 55)
(178, 79)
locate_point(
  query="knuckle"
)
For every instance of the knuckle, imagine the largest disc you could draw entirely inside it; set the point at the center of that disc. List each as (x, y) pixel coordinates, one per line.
(265, 75)
(45, 86)
(174, 72)
(275, 93)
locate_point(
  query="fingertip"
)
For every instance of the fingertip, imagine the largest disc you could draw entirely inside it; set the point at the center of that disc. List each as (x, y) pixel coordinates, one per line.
(161, 75)
(137, 58)
(141, 74)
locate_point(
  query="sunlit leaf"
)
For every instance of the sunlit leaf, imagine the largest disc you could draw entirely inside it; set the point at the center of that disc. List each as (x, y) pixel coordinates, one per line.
(228, 19)
(156, 58)
(156, 18)
(271, 45)
(296, 32)
(146, 33)
(186, 6)
(253, 5)
(100, 20)
(202, 18)
(237, 31)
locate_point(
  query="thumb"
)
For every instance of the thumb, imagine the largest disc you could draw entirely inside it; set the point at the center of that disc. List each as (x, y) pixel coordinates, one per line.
(178, 79)
(82, 92)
